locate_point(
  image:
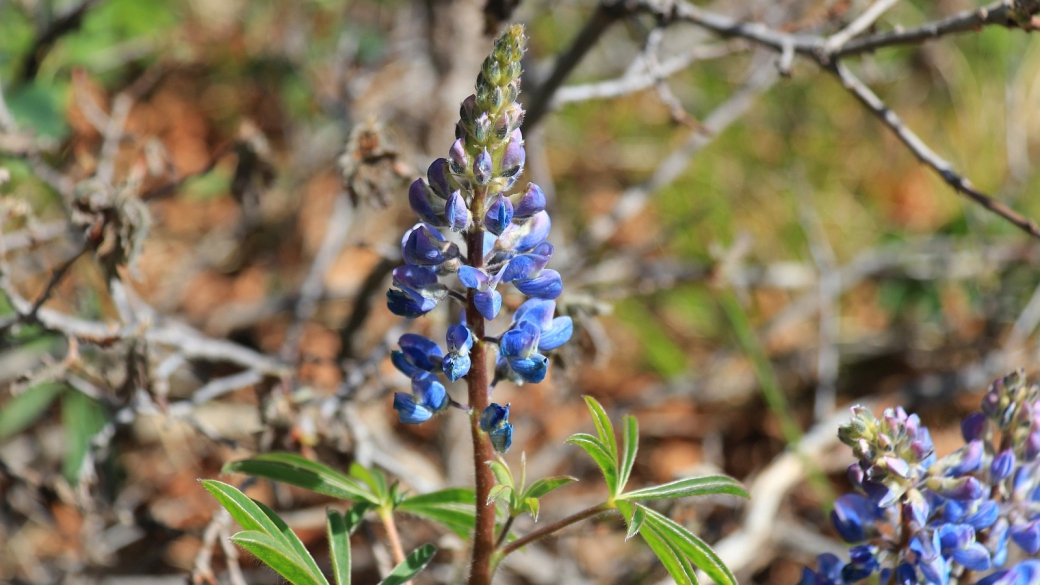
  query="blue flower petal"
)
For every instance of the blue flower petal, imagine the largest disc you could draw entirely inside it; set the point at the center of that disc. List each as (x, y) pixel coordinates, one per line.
(408, 411)
(502, 437)
(456, 365)
(429, 392)
(489, 303)
(547, 285)
(559, 333)
(531, 369)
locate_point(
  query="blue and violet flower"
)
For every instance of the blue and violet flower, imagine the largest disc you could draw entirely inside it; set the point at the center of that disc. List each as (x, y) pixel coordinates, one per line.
(918, 519)
(488, 155)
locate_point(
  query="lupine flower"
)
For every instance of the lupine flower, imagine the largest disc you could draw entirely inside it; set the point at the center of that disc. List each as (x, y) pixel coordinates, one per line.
(955, 514)
(495, 422)
(468, 191)
(428, 397)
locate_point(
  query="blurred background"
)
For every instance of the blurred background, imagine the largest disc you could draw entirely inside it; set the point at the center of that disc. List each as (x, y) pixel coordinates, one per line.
(745, 254)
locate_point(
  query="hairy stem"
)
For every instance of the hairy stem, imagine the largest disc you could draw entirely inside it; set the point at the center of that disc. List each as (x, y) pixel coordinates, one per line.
(555, 526)
(392, 535)
(477, 380)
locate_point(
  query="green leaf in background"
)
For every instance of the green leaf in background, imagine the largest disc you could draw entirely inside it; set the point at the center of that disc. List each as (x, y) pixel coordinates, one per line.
(687, 545)
(411, 565)
(38, 105)
(339, 546)
(266, 535)
(604, 428)
(290, 537)
(545, 485)
(671, 558)
(81, 417)
(374, 479)
(600, 454)
(693, 486)
(20, 412)
(630, 445)
(455, 508)
(302, 472)
(272, 553)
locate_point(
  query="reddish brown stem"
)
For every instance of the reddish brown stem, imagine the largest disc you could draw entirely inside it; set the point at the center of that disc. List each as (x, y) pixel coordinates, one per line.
(477, 379)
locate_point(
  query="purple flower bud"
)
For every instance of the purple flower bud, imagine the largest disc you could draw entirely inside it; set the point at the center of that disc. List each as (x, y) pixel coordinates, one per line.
(426, 246)
(1031, 449)
(499, 216)
(1003, 464)
(421, 199)
(459, 160)
(963, 488)
(897, 466)
(973, 426)
(466, 109)
(437, 175)
(1027, 536)
(991, 403)
(532, 202)
(482, 167)
(482, 128)
(455, 212)
(523, 237)
(855, 474)
(513, 159)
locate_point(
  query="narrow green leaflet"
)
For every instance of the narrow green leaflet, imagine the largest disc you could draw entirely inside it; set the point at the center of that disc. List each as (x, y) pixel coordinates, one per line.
(502, 473)
(501, 492)
(630, 445)
(243, 509)
(81, 418)
(694, 486)
(548, 484)
(374, 478)
(600, 454)
(355, 514)
(302, 472)
(455, 508)
(634, 517)
(672, 560)
(20, 412)
(687, 544)
(339, 546)
(411, 565)
(603, 426)
(290, 537)
(270, 550)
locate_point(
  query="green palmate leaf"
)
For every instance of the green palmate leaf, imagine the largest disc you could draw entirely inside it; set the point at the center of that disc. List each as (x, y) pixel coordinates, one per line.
(688, 545)
(290, 537)
(411, 565)
(339, 546)
(273, 553)
(455, 508)
(20, 412)
(628, 452)
(502, 473)
(601, 455)
(244, 510)
(694, 486)
(634, 517)
(546, 485)
(679, 569)
(81, 418)
(302, 472)
(604, 428)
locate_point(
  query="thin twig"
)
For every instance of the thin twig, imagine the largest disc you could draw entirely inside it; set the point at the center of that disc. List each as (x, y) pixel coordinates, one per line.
(554, 527)
(928, 156)
(55, 279)
(829, 358)
(862, 23)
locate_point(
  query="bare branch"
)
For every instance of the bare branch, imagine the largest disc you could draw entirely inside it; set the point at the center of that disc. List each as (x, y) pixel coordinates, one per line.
(865, 21)
(926, 155)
